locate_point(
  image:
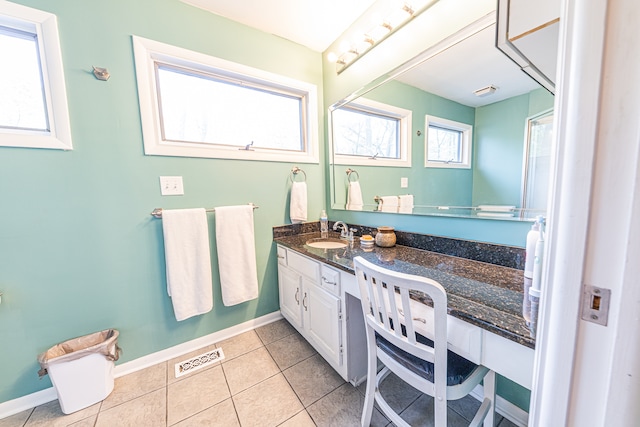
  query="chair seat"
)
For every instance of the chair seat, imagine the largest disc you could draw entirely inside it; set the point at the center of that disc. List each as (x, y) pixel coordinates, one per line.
(458, 368)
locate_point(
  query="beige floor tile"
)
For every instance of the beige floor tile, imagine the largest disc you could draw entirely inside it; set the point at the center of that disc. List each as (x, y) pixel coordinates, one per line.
(342, 407)
(301, 419)
(87, 422)
(290, 350)
(240, 344)
(249, 369)
(50, 415)
(268, 403)
(398, 394)
(136, 384)
(221, 415)
(421, 413)
(145, 411)
(275, 331)
(312, 379)
(16, 420)
(192, 395)
(171, 370)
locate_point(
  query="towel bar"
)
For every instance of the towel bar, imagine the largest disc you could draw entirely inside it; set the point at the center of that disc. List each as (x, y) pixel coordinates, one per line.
(294, 171)
(157, 212)
(351, 171)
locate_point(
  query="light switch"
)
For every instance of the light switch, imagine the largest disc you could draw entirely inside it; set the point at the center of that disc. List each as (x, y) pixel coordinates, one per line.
(171, 186)
(404, 182)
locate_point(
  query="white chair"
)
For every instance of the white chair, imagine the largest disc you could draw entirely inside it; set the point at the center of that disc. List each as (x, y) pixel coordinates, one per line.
(425, 364)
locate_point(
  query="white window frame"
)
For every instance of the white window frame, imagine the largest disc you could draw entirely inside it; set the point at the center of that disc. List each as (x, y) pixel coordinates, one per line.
(147, 52)
(404, 135)
(45, 26)
(467, 142)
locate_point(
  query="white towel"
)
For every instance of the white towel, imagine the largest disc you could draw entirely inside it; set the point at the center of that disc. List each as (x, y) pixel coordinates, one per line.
(298, 203)
(188, 259)
(405, 203)
(388, 204)
(236, 246)
(354, 196)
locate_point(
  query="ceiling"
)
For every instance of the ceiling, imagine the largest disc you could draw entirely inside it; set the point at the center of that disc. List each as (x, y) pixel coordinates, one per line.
(312, 23)
(317, 24)
(469, 65)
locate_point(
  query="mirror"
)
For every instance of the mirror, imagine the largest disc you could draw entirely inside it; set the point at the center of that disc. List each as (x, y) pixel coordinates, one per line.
(463, 87)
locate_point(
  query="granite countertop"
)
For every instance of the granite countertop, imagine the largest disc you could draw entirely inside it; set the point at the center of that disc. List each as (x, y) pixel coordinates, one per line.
(486, 295)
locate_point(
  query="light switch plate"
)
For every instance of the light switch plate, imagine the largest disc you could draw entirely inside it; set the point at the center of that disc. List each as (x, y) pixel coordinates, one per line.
(171, 186)
(404, 182)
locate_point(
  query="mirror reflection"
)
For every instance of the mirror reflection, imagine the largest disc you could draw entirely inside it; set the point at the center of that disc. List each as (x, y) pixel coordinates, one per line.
(463, 133)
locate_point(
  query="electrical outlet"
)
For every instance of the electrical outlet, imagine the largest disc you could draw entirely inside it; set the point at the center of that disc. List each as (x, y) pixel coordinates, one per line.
(171, 186)
(404, 182)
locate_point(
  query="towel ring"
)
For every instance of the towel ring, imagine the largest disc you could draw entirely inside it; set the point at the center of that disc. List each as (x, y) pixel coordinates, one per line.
(352, 171)
(294, 171)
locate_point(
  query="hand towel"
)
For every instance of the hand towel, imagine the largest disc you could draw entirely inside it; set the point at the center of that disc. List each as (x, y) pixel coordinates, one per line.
(388, 204)
(354, 196)
(405, 203)
(188, 260)
(235, 242)
(298, 203)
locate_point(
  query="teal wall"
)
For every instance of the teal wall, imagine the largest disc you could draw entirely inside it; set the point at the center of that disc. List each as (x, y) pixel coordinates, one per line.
(79, 251)
(499, 145)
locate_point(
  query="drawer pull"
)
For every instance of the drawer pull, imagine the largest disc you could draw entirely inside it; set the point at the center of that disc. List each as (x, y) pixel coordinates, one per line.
(325, 280)
(417, 319)
(280, 256)
(296, 296)
(304, 303)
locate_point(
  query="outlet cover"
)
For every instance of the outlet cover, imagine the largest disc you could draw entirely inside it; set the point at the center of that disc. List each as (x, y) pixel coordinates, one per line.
(171, 186)
(404, 182)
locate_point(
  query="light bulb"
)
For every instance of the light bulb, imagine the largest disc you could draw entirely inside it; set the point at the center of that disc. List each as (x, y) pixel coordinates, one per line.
(332, 57)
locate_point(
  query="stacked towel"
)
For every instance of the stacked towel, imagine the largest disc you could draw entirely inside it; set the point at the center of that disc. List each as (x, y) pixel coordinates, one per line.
(354, 196)
(235, 242)
(298, 203)
(388, 204)
(405, 203)
(188, 259)
(496, 211)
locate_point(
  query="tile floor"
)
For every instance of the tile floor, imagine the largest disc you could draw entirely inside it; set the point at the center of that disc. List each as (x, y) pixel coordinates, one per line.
(270, 377)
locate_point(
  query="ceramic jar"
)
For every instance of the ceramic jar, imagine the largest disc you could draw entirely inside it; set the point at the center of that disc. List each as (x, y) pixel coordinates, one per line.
(386, 237)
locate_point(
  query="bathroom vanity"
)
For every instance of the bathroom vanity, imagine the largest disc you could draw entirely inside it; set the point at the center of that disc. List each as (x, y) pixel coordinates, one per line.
(319, 296)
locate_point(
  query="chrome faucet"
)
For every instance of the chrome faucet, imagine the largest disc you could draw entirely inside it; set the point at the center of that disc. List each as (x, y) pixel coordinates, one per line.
(344, 230)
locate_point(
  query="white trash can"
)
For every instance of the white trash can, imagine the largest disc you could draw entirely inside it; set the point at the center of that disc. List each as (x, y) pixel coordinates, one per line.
(81, 369)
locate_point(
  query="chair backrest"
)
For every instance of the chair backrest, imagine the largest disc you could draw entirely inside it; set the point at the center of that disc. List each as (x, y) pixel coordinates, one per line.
(385, 297)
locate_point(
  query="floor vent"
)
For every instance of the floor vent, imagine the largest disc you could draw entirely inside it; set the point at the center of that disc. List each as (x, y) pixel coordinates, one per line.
(199, 362)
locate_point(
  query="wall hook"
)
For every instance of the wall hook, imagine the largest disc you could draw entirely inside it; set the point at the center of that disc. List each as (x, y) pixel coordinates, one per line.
(101, 73)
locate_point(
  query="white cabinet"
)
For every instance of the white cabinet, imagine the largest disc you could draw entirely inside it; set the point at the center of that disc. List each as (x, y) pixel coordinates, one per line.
(527, 32)
(312, 305)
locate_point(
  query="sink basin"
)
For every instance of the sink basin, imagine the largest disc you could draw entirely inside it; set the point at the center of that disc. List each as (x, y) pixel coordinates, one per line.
(326, 243)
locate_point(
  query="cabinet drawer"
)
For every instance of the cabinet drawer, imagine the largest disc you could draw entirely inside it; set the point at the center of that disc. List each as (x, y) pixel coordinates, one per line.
(282, 255)
(330, 279)
(303, 265)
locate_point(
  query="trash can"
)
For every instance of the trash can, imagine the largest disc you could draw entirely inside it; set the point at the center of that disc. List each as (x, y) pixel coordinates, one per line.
(81, 369)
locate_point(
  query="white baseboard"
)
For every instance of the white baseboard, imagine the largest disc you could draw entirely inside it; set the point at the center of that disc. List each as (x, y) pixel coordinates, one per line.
(32, 400)
(505, 408)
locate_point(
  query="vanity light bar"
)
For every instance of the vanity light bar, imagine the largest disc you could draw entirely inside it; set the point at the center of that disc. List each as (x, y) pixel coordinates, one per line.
(394, 21)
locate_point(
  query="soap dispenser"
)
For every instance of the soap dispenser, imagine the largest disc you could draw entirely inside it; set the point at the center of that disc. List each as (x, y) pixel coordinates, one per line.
(324, 225)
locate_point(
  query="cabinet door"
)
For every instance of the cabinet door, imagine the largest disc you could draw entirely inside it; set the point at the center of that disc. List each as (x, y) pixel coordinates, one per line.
(323, 322)
(290, 295)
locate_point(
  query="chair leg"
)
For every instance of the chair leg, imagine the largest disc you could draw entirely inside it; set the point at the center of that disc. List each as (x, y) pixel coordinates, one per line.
(489, 386)
(372, 383)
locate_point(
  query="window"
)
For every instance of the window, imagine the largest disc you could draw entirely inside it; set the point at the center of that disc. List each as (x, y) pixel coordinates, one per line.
(371, 133)
(194, 105)
(33, 100)
(447, 143)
